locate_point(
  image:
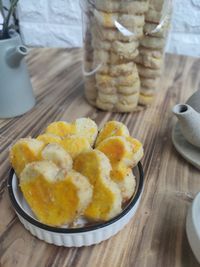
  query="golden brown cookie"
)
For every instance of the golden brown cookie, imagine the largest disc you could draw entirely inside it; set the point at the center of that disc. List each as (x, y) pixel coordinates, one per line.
(61, 128)
(48, 138)
(107, 98)
(148, 61)
(75, 145)
(24, 151)
(148, 91)
(131, 21)
(125, 180)
(85, 127)
(124, 50)
(110, 82)
(113, 34)
(137, 150)
(100, 44)
(112, 128)
(106, 201)
(108, 20)
(149, 83)
(155, 29)
(117, 69)
(104, 105)
(55, 197)
(148, 72)
(128, 80)
(122, 69)
(107, 90)
(55, 153)
(134, 7)
(128, 99)
(150, 52)
(153, 42)
(127, 90)
(117, 59)
(100, 57)
(117, 149)
(145, 100)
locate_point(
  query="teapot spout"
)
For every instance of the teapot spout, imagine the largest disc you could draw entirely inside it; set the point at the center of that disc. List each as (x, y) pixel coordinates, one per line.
(189, 121)
(15, 55)
(181, 110)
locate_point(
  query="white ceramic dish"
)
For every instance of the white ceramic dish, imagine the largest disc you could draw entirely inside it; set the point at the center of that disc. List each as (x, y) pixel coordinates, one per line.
(193, 226)
(74, 237)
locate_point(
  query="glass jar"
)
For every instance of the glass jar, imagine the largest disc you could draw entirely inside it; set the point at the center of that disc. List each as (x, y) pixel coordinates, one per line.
(124, 45)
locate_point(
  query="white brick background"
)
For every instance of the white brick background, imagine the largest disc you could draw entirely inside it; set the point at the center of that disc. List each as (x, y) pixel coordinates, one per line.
(57, 23)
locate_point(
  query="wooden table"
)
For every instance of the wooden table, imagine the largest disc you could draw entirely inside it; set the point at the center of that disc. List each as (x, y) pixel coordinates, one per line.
(156, 235)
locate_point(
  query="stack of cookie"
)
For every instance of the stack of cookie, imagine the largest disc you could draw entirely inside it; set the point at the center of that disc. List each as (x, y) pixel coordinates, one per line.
(116, 28)
(150, 58)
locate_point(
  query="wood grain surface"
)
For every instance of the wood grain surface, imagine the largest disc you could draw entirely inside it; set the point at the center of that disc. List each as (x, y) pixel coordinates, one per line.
(156, 235)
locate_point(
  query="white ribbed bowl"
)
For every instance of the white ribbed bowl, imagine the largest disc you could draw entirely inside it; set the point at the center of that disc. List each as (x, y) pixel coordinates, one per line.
(74, 237)
(193, 226)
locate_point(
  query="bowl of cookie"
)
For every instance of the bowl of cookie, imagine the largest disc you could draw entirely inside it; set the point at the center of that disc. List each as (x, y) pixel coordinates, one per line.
(75, 185)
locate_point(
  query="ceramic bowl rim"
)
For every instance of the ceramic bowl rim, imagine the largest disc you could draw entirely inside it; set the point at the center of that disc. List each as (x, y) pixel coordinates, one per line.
(40, 225)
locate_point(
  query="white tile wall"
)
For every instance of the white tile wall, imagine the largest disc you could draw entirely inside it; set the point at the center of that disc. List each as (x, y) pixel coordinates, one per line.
(185, 33)
(57, 23)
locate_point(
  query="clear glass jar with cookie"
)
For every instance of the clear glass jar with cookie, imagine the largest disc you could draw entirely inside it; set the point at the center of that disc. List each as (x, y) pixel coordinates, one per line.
(123, 51)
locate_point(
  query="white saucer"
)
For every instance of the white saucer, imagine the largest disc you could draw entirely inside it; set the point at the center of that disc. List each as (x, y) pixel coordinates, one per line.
(187, 151)
(193, 226)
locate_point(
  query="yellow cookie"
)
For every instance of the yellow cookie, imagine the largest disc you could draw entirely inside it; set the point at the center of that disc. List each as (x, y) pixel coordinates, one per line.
(56, 198)
(61, 128)
(117, 149)
(112, 128)
(137, 150)
(25, 151)
(48, 138)
(58, 155)
(87, 128)
(106, 201)
(84, 127)
(75, 145)
(125, 179)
